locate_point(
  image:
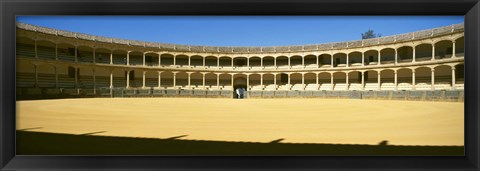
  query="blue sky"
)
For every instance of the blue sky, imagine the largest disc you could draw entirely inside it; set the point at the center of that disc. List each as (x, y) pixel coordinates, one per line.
(240, 30)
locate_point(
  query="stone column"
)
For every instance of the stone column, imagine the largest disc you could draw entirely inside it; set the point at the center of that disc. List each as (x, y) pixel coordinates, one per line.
(396, 56)
(111, 56)
(275, 81)
(159, 59)
(218, 62)
(94, 56)
(379, 81)
(56, 76)
(331, 81)
(363, 80)
(232, 66)
(275, 62)
(174, 60)
(346, 81)
(189, 61)
(396, 78)
(348, 62)
(363, 58)
(433, 79)
(203, 80)
(433, 51)
(248, 62)
(204, 61)
(413, 60)
(453, 77)
(159, 78)
(128, 57)
(128, 79)
(94, 83)
(379, 58)
(232, 80)
(248, 82)
(316, 80)
(261, 80)
(288, 85)
(303, 81)
(143, 79)
(303, 61)
(111, 78)
(218, 81)
(453, 49)
(331, 61)
(143, 58)
(56, 52)
(318, 58)
(76, 77)
(189, 85)
(36, 50)
(413, 79)
(261, 62)
(174, 80)
(76, 54)
(289, 66)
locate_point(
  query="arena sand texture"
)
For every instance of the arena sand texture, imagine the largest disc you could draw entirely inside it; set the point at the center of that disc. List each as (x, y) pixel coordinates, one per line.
(327, 121)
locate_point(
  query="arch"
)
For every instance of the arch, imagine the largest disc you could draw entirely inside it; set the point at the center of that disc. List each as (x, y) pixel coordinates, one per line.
(166, 59)
(268, 81)
(296, 61)
(135, 58)
(443, 49)
(254, 82)
(255, 61)
(387, 79)
(152, 59)
(46, 49)
(339, 60)
(225, 81)
(460, 46)
(225, 61)
(311, 61)
(405, 54)
(66, 52)
(282, 61)
(423, 52)
(387, 56)
(46, 76)
(404, 79)
(443, 77)
(371, 57)
(25, 47)
(85, 54)
(181, 60)
(325, 60)
(196, 61)
(210, 80)
(240, 61)
(102, 55)
(355, 58)
(119, 57)
(167, 79)
(268, 61)
(196, 80)
(211, 61)
(423, 77)
(181, 80)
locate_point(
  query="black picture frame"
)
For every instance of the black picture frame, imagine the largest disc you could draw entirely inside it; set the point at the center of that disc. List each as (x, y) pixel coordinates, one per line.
(9, 9)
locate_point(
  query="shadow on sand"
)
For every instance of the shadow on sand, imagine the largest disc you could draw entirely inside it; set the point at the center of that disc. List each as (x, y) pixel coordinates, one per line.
(37, 143)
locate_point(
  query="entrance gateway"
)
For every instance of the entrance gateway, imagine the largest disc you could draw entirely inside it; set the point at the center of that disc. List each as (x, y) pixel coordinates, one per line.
(239, 81)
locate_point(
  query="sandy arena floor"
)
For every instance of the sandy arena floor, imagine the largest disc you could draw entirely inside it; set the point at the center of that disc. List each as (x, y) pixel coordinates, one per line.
(251, 120)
